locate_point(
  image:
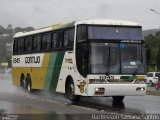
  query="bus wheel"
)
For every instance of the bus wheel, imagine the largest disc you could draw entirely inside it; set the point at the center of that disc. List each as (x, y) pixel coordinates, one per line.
(29, 85)
(22, 81)
(70, 89)
(118, 98)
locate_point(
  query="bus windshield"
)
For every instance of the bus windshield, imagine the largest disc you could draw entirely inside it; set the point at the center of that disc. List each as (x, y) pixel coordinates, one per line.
(116, 58)
(110, 50)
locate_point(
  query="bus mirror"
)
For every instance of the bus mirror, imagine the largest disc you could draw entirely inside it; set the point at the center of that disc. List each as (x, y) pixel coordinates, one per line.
(148, 54)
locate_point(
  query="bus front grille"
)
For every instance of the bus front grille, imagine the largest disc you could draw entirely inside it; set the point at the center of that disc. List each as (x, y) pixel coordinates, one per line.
(120, 80)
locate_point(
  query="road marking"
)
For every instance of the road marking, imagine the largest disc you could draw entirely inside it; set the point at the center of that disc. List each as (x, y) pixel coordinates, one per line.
(51, 101)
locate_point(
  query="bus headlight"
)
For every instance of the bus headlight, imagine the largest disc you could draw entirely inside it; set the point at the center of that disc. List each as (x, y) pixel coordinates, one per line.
(99, 91)
(97, 81)
(140, 81)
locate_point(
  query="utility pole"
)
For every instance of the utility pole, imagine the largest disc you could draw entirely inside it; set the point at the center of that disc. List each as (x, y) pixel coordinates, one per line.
(155, 11)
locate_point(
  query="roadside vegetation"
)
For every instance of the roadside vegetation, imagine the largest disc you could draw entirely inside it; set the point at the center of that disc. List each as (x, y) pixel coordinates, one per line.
(153, 41)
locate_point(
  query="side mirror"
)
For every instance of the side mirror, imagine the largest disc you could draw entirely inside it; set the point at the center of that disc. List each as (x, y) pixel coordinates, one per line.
(148, 54)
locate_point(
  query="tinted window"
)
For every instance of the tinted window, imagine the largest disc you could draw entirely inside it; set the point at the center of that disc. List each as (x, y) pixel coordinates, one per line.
(68, 38)
(15, 45)
(20, 45)
(81, 33)
(71, 38)
(54, 40)
(59, 39)
(46, 41)
(150, 75)
(37, 43)
(82, 57)
(28, 43)
(65, 43)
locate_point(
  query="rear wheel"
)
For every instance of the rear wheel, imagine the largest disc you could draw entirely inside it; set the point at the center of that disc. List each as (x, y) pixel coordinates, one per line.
(29, 84)
(118, 98)
(22, 81)
(70, 92)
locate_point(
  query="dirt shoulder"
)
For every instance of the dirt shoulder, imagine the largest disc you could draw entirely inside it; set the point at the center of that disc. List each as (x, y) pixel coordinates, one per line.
(153, 91)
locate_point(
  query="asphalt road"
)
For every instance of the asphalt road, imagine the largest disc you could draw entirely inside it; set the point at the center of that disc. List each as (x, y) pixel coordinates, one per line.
(15, 100)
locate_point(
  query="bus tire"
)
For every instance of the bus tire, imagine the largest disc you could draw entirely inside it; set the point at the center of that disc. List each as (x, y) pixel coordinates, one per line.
(22, 81)
(118, 98)
(29, 84)
(70, 90)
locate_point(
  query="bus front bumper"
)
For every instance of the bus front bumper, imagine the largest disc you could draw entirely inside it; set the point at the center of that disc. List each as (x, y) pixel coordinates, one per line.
(116, 89)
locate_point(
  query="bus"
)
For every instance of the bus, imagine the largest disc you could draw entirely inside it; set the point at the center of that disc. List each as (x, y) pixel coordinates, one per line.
(94, 57)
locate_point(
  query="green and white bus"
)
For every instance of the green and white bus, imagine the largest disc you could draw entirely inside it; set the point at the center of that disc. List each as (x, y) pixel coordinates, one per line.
(94, 57)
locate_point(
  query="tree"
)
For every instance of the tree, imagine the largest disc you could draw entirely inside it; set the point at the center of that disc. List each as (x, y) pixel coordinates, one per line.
(6, 36)
(158, 59)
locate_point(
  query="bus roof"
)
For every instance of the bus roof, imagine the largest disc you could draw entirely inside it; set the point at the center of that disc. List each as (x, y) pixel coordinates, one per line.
(107, 22)
(67, 24)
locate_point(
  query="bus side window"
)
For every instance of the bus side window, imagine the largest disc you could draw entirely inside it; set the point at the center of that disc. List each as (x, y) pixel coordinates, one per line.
(15, 47)
(44, 42)
(59, 39)
(65, 42)
(71, 38)
(37, 43)
(20, 45)
(68, 38)
(28, 43)
(81, 33)
(48, 41)
(54, 40)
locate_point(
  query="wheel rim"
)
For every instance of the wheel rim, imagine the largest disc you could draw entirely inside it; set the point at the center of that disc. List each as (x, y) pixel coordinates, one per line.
(24, 84)
(29, 87)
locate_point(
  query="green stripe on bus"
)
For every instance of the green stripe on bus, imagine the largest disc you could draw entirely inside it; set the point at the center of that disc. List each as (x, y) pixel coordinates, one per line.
(54, 70)
(50, 70)
(57, 69)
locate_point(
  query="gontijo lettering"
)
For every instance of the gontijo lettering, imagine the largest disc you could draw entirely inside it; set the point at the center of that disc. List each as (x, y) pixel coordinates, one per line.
(33, 59)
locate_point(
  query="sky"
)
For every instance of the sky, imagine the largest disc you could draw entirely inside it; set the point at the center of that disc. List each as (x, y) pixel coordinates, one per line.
(40, 13)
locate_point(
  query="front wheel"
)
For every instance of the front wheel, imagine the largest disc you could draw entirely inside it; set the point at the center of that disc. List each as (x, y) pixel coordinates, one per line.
(70, 92)
(118, 98)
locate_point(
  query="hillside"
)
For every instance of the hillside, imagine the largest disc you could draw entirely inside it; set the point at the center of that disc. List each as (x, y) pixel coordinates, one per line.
(6, 38)
(150, 31)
